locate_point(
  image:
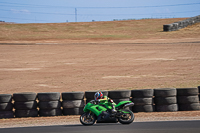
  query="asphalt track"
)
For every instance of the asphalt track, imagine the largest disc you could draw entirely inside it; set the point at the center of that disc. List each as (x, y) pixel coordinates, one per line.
(135, 127)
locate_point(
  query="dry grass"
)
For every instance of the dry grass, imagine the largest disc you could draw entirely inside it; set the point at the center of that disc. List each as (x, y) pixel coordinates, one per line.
(113, 30)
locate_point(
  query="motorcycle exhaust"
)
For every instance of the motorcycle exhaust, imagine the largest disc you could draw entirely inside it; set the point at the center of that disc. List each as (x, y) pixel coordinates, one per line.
(128, 105)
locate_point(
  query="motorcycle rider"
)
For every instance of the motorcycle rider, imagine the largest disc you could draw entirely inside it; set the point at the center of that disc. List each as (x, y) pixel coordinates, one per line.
(98, 96)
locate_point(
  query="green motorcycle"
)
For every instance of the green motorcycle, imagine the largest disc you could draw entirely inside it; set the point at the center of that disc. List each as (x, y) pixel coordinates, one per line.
(102, 112)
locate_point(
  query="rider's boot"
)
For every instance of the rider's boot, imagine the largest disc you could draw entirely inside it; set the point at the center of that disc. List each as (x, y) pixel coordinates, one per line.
(113, 109)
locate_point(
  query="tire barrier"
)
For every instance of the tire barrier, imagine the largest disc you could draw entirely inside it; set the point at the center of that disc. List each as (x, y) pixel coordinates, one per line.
(143, 100)
(165, 100)
(188, 99)
(89, 95)
(119, 95)
(73, 103)
(121, 99)
(6, 106)
(25, 104)
(199, 93)
(49, 104)
(181, 24)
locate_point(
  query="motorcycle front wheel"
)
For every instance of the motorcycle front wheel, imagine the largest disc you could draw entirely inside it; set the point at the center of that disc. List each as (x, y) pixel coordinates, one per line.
(127, 117)
(87, 119)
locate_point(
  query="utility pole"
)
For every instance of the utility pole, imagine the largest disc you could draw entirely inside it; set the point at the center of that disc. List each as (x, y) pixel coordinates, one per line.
(75, 15)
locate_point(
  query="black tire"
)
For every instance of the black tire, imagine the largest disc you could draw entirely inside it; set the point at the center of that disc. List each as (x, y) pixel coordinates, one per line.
(6, 114)
(119, 100)
(199, 89)
(90, 94)
(165, 92)
(6, 106)
(72, 95)
(5, 98)
(187, 91)
(167, 108)
(50, 112)
(24, 97)
(122, 119)
(142, 101)
(84, 116)
(143, 108)
(187, 99)
(189, 107)
(119, 94)
(49, 96)
(143, 93)
(50, 105)
(73, 103)
(25, 105)
(26, 113)
(72, 111)
(165, 100)
(167, 27)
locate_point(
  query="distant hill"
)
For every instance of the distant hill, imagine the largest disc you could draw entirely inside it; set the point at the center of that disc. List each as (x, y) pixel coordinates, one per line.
(103, 30)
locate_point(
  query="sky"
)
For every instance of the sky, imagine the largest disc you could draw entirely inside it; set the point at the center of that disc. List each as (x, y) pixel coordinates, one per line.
(59, 11)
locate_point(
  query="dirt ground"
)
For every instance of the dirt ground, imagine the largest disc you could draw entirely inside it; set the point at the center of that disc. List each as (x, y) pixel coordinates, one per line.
(63, 66)
(107, 65)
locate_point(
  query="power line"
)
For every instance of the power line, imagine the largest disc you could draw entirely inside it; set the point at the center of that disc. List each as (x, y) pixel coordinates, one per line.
(31, 5)
(23, 19)
(65, 14)
(37, 12)
(145, 6)
(50, 6)
(137, 14)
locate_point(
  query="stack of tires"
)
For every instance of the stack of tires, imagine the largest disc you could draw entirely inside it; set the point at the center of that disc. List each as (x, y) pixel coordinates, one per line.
(73, 103)
(143, 100)
(165, 100)
(167, 27)
(198, 19)
(49, 104)
(6, 106)
(175, 26)
(25, 104)
(89, 95)
(188, 99)
(119, 95)
(181, 24)
(199, 92)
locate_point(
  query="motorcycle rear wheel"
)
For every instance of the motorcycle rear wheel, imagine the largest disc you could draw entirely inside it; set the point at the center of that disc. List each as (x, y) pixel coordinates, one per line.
(126, 118)
(87, 119)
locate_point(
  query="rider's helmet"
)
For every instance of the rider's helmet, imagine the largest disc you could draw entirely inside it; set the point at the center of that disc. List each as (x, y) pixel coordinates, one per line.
(98, 95)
